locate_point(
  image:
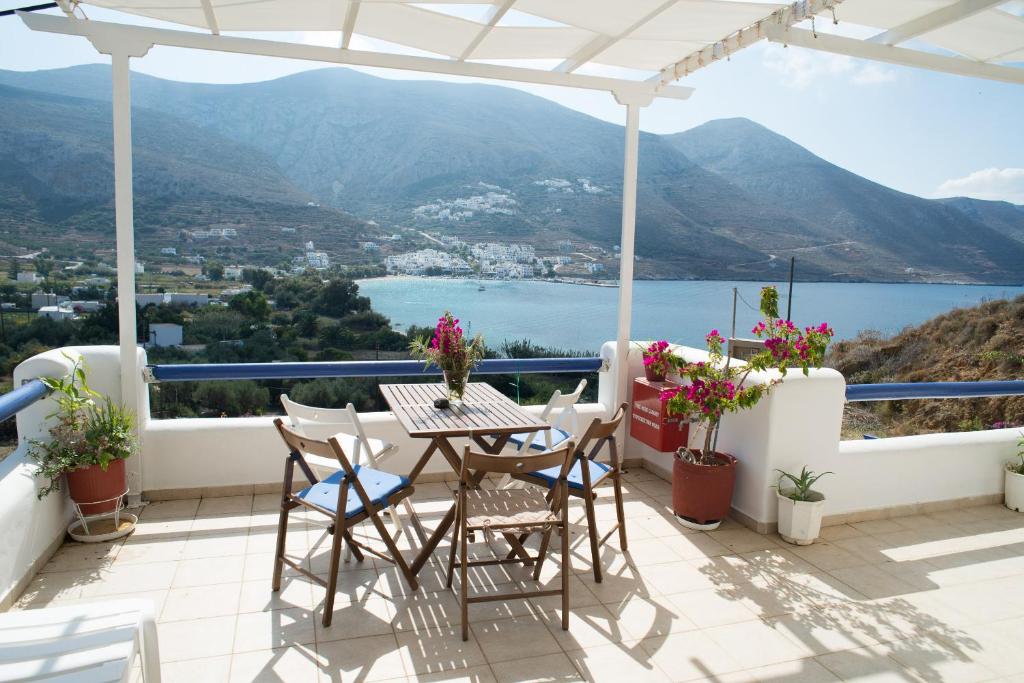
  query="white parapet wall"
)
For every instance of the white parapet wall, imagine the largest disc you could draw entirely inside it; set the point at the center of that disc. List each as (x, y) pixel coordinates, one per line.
(31, 529)
(908, 474)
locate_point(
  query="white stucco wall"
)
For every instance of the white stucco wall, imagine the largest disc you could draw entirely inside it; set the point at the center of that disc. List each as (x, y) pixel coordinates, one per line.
(30, 529)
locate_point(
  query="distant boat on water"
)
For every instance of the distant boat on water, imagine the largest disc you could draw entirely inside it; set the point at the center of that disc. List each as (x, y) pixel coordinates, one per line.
(481, 288)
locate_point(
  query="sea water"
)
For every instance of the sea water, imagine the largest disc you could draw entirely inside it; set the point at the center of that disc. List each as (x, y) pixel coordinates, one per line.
(582, 317)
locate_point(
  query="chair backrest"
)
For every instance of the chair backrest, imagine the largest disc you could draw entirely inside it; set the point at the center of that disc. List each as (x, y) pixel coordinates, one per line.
(517, 464)
(303, 417)
(602, 431)
(320, 453)
(560, 413)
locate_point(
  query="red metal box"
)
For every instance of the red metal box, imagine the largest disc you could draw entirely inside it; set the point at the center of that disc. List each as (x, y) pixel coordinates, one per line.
(650, 421)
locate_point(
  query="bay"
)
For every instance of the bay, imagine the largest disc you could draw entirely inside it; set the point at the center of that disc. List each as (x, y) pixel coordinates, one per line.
(581, 317)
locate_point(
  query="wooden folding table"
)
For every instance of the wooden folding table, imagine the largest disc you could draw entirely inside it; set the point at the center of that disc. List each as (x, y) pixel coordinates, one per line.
(486, 416)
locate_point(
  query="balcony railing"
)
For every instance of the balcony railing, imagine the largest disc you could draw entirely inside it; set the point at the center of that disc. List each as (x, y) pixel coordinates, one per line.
(382, 368)
(917, 390)
(15, 401)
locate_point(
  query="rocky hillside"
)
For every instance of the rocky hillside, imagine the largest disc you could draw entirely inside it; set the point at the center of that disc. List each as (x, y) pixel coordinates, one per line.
(968, 344)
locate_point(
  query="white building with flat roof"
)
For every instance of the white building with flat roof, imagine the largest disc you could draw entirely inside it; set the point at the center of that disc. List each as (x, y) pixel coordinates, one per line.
(165, 334)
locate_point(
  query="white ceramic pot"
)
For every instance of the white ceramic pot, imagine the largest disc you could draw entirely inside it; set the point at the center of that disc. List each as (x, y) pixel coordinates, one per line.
(1014, 491)
(800, 521)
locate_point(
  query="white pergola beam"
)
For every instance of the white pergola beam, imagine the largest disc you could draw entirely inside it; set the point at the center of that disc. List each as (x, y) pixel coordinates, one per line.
(958, 11)
(494, 15)
(602, 43)
(894, 55)
(110, 33)
(781, 18)
(211, 17)
(350, 23)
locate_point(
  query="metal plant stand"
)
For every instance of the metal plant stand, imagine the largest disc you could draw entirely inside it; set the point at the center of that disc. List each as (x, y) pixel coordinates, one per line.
(123, 523)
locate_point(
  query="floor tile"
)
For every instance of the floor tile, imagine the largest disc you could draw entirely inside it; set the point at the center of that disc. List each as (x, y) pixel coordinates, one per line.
(556, 668)
(518, 638)
(196, 638)
(375, 658)
(295, 664)
(436, 650)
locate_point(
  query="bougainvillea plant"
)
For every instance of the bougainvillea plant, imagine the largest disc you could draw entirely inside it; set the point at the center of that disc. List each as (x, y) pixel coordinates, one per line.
(717, 386)
(657, 358)
(449, 350)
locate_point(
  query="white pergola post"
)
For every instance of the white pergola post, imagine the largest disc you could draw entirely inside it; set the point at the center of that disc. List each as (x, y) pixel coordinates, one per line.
(132, 385)
(626, 244)
(124, 220)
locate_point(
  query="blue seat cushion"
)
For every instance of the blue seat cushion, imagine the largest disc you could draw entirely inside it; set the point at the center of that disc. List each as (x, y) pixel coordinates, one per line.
(379, 487)
(539, 443)
(550, 475)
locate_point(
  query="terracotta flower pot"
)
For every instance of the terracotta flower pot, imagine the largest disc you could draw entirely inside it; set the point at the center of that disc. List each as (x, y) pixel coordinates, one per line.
(90, 484)
(652, 376)
(702, 494)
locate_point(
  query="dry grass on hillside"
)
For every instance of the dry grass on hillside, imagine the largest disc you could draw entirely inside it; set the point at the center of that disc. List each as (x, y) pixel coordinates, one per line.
(985, 342)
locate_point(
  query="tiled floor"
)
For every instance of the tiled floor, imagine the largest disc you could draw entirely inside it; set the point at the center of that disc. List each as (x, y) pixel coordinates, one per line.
(926, 598)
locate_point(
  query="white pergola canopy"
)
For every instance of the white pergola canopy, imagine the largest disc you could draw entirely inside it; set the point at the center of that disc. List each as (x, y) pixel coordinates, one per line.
(666, 38)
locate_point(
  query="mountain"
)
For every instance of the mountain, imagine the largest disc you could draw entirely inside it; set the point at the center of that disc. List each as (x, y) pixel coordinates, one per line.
(486, 162)
(1005, 217)
(852, 216)
(57, 172)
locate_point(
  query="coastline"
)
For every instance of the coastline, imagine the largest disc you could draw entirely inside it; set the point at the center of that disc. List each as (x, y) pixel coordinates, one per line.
(611, 284)
(614, 284)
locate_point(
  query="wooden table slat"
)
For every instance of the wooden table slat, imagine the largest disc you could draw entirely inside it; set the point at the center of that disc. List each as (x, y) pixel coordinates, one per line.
(484, 410)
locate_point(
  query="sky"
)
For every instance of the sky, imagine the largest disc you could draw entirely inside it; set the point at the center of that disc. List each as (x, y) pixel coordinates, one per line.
(928, 134)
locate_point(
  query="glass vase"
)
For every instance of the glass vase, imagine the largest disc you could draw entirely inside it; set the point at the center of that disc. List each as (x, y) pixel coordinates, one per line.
(456, 384)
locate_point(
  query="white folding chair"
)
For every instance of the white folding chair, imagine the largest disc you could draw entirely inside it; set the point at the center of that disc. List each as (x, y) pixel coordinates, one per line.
(560, 413)
(344, 425)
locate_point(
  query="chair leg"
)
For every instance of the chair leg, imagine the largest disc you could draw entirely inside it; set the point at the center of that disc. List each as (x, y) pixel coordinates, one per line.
(451, 555)
(415, 519)
(464, 582)
(542, 553)
(350, 546)
(619, 512)
(566, 573)
(282, 524)
(396, 554)
(588, 501)
(337, 541)
(397, 521)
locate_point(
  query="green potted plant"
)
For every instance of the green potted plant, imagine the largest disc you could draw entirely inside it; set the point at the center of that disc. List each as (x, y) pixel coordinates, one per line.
(88, 445)
(703, 478)
(800, 508)
(449, 351)
(1014, 491)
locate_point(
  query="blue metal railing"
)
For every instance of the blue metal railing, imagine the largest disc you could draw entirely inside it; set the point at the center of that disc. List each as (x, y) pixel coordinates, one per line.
(916, 390)
(377, 368)
(15, 401)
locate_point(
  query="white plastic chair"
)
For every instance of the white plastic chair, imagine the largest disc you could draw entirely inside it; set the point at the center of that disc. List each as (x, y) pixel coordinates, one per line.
(560, 413)
(344, 424)
(89, 643)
